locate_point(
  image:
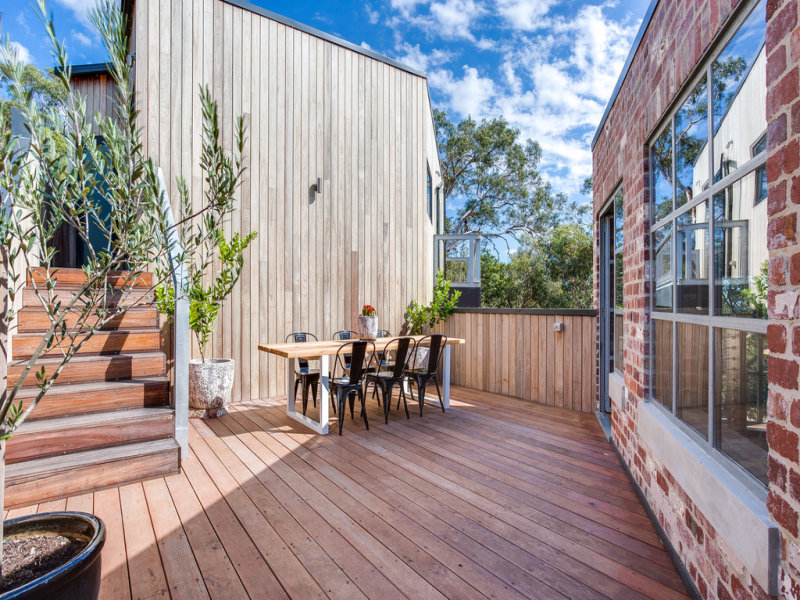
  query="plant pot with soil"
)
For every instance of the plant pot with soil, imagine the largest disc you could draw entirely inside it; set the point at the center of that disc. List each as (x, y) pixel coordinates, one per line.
(52, 555)
(367, 323)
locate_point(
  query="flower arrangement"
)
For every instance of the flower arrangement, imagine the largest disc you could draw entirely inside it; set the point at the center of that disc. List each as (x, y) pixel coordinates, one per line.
(367, 323)
(368, 310)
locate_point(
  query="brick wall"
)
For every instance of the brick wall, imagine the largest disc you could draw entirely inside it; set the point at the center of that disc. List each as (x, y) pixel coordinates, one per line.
(677, 39)
(783, 334)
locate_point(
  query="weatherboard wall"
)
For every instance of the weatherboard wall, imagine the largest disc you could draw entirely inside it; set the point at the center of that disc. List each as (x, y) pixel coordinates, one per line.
(313, 109)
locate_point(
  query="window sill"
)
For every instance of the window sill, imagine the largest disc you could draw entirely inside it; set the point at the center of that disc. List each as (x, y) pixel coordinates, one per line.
(738, 515)
(616, 390)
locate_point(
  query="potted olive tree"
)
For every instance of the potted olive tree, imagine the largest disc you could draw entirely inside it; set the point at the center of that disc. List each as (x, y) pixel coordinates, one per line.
(418, 315)
(215, 264)
(64, 176)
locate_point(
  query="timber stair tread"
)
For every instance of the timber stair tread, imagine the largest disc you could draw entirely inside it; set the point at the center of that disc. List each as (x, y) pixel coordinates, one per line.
(34, 319)
(102, 342)
(43, 479)
(73, 277)
(87, 368)
(63, 400)
(50, 437)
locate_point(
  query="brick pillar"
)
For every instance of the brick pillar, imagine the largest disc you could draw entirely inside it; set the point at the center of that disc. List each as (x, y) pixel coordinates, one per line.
(783, 334)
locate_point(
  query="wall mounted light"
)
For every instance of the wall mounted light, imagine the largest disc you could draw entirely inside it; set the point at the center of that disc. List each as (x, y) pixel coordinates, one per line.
(318, 187)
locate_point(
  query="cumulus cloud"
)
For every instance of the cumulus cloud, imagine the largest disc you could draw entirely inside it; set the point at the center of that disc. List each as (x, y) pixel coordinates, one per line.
(524, 14)
(414, 56)
(21, 52)
(80, 8)
(446, 19)
(81, 38)
(468, 95)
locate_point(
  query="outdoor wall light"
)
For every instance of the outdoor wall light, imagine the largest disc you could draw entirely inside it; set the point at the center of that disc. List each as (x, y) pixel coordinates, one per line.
(318, 186)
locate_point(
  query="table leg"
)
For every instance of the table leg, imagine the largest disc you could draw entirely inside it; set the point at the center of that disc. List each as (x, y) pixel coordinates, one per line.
(446, 378)
(290, 385)
(324, 396)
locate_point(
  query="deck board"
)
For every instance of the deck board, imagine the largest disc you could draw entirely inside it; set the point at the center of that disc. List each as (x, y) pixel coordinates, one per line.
(497, 498)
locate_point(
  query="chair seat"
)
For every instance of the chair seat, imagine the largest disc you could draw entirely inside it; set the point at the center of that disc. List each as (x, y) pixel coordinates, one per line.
(381, 375)
(341, 381)
(417, 372)
(307, 372)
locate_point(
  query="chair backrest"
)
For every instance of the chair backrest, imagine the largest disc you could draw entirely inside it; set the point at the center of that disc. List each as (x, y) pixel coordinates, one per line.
(384, 333)
(300, 337)
(345, 334)
(436, 344)
(402, 347)
(357, 350)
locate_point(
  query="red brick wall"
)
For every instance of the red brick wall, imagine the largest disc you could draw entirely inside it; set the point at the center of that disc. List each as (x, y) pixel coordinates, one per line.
(783, 334)
(676, 41)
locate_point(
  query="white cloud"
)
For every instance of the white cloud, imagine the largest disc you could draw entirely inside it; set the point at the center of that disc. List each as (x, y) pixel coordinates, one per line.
(80, 9)
(413, 56)
(485, 44)
(453, 19)
(373, 15)
(471, 94)
(81, 38)
(21, 52)
(22, 21)
(524, 14)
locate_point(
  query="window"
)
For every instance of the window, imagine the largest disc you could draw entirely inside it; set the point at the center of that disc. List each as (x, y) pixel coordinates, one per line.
(619, 285)
(429, 190)
(709, 260)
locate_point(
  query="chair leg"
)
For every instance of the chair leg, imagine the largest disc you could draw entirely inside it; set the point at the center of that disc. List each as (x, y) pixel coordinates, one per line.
(314, 392)
(421, 392)
(439, 392)
(352, 401)
(305, 397)
(403, 396)
(387, 401)
(363, 409)
(375, 393)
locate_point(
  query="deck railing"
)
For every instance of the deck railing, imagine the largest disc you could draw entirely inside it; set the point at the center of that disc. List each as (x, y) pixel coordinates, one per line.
(541, 355)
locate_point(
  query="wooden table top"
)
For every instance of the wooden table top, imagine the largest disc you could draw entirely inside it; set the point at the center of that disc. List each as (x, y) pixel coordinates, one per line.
(330, 347)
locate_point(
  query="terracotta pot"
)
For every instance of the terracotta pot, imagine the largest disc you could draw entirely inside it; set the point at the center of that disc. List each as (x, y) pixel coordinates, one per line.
(78, 578)
(367, 327)
(210, 383)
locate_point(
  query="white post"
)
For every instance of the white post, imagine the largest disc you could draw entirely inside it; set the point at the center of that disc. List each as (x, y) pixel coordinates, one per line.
(290, 386)
(324, 394)
(446, 378)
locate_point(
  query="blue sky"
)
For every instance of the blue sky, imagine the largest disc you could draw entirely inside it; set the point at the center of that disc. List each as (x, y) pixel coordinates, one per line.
(548, 66)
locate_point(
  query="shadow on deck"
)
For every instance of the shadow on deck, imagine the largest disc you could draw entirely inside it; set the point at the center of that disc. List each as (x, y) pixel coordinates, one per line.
(497, 498)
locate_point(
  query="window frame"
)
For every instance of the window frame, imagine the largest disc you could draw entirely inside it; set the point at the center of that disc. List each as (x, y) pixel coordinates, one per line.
(709, 319)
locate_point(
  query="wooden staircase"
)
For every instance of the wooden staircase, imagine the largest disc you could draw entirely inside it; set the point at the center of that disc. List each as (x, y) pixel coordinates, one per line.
(107, 419)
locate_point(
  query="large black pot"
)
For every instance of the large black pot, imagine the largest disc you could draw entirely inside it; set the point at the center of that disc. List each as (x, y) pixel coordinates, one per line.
(78, 579)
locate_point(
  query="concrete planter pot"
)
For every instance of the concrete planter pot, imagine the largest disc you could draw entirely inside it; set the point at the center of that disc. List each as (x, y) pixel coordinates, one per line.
(210, 384)
(76, 579)
(367, 327)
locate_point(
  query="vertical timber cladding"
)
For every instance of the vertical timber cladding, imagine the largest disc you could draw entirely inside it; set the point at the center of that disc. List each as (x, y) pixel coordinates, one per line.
(313, 108)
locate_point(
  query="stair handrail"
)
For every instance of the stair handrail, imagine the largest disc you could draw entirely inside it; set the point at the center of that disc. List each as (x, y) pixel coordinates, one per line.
(181, 338)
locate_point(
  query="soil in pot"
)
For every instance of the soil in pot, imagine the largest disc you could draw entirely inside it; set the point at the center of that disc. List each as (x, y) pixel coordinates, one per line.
(26, 558)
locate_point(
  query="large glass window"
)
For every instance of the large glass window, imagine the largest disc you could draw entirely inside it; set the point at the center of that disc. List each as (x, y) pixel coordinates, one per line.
(619, 280)
(708, 180)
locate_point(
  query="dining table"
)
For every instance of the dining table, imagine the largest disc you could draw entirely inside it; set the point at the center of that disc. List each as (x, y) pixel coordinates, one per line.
(323, 351)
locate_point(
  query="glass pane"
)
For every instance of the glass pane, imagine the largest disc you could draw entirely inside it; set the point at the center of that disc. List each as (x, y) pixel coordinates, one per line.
(618, 280)
(740, 250)
(619, 215)
(691, 135)
(662, 362)
(662, 245)
(741, 398)
(692, 260)
(661, 157)
(693, 376)
(739, 95)
(619, 355)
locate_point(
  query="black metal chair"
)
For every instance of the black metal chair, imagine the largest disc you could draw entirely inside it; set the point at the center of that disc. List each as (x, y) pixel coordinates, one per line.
(303, 374)
(384, 333)
(352, 383)
(388, 377)
(422, 375)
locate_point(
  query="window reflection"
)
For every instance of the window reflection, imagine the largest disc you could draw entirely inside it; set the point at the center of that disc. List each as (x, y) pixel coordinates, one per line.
(741, 398)
(691, 135)
(740, 251)
(662, 246)
(692, 259)
(662, 372)
(661, 152)
(693, 376)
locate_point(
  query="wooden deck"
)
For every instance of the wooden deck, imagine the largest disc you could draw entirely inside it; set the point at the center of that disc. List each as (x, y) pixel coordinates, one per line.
(497, 498)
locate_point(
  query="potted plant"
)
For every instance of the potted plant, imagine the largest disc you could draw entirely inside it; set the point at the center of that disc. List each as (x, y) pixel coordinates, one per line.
(418, 315)
(64, 175)
(367, 323)
(210, 379)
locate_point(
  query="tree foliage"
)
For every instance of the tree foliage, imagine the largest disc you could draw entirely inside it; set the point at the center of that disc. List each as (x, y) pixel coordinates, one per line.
(496, 178)
(43, 87)
(552, 271)
(442, 305)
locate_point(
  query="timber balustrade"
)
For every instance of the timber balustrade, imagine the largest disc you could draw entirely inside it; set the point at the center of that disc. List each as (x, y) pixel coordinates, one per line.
(518, 352)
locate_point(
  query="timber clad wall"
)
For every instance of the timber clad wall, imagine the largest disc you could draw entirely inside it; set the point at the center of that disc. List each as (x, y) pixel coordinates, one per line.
(97, 91)
(518, 354)
(313, 109)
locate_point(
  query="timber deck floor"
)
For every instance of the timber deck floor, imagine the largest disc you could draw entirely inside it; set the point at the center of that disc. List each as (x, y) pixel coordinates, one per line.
(497, 498)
